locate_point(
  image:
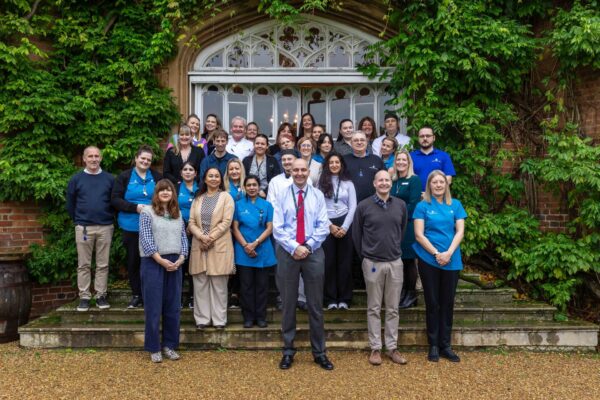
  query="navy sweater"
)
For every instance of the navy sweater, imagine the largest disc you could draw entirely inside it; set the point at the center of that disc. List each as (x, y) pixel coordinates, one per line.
(88, 199)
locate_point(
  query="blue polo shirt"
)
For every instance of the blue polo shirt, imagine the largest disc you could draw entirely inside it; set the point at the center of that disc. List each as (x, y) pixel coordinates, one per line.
(439, 220)
(185, 198)
(423, 164)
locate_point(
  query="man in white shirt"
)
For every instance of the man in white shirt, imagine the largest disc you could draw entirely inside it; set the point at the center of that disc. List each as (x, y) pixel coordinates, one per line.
(238, 145)
(392, 130)
(300, 225)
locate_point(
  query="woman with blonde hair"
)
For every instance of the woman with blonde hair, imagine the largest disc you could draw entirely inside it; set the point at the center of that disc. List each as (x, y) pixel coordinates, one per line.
(407, 186)
(182, 152)
(234, 178)
(439, 228)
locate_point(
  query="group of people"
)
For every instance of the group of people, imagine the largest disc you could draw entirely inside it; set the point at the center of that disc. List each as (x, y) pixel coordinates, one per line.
(228, 209)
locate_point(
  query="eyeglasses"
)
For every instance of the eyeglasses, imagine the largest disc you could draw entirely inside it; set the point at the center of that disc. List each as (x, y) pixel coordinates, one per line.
(425, 136)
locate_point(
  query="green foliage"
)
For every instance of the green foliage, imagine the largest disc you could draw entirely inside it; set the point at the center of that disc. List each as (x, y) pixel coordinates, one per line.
(456, 66)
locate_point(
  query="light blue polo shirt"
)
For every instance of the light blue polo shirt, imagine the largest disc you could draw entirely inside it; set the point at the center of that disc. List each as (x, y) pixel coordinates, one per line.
(439, 220)
(423, 164)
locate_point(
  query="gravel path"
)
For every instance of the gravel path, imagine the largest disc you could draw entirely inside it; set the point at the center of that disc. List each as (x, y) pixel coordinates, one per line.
(66, 374)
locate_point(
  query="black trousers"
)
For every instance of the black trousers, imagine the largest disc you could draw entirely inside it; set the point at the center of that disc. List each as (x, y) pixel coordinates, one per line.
(132, 257)
(254, 290)
(338, 266)
(410, 273)
(439, 288)
(185, 268)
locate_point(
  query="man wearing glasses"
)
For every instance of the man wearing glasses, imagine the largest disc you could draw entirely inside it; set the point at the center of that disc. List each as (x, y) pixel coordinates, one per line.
(427, 158)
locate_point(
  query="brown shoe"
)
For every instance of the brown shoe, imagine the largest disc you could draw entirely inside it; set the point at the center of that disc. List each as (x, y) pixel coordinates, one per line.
(375, 357)
(396, 357)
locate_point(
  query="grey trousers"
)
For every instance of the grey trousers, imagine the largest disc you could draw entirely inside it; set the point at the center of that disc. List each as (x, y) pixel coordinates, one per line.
(383, 281)
(312, 270)
(210, 299)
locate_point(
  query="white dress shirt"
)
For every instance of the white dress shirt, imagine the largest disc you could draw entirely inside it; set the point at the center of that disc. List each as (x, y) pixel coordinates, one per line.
(278, 184)
(316, 222)
(403, 141)
(241, 149)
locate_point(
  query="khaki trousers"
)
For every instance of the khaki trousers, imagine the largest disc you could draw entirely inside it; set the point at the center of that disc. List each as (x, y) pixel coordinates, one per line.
(383, 281)
(210, 299)
(97, 237)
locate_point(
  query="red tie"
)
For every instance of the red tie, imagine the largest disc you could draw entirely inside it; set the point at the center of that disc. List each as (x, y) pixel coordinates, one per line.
(300, 235)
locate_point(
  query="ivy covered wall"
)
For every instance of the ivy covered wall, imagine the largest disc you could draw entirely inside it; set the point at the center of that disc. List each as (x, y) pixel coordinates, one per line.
(469, 68)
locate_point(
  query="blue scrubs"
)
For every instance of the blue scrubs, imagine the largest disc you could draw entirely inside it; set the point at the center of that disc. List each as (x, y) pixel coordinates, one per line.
(185, 199)
(439, 220)
(389, 163)
(235, 192)
(252, 219)
(139, 191)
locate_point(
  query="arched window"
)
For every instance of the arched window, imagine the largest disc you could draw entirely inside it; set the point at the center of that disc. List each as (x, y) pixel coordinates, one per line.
(272, 74)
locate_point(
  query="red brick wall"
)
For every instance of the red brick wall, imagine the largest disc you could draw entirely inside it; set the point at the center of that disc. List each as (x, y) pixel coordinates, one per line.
(48, 297)
(19, 227)
(587, 96)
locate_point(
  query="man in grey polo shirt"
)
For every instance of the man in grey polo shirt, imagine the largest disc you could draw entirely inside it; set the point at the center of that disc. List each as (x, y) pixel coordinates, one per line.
(377, 231)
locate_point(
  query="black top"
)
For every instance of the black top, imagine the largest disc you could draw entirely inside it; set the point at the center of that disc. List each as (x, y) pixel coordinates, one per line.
(88, 198)
(272, 166)
(172, 163)
(362, 171)
(377, 231)
(117, 198)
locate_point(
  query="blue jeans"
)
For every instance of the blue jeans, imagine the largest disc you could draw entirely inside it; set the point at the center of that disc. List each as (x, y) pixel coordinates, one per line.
(161, 291)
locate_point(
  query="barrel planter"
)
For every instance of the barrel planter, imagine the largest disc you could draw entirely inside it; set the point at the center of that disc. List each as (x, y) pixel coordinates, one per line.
(15, 296)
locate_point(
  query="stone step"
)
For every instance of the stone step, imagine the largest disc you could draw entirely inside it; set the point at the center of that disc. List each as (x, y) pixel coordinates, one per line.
(466, 293)
(49, 332)
(517, 311)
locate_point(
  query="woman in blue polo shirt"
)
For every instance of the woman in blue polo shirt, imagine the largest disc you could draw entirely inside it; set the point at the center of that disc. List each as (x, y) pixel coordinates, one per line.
(439, 228)
(132, 191)
(186, 191)
(254, 253)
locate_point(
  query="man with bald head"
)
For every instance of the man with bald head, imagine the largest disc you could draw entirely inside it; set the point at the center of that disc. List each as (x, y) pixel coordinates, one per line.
(377, 232)
(88, 205)
(300, 226)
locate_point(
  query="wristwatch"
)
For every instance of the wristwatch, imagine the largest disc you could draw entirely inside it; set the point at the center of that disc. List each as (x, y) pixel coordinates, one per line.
(436, 253)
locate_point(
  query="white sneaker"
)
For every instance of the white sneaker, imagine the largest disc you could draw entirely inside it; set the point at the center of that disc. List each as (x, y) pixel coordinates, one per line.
(171, 354)
(343, 306)
(332, 306)
(156, 357)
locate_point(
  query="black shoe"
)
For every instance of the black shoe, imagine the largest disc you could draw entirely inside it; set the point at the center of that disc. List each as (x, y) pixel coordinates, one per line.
(301, 305)
(286, 362)
(234, 302)
(248, 324)
(262, 324)
(410, 300)
(324, 362)
(201, 327)
(450, 355)
(190, 303)
(434, 354)
(84, 305)
(101, 303)
(135, 302)
(219, 327)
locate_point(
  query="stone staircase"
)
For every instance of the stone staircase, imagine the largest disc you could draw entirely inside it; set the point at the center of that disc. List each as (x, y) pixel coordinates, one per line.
(482, 319)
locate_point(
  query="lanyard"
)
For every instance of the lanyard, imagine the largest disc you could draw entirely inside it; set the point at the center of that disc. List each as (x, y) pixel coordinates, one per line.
(258, 165)
(336, 195)
(294, 197)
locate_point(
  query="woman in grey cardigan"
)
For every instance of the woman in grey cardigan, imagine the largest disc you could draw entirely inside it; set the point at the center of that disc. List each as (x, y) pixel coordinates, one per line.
(163, 249)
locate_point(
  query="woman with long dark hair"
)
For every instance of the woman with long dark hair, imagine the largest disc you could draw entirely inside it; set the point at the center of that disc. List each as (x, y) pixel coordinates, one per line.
(212, 125)
(340, 198)
(324, 147)
(368, 126)
(439, 228)
(163, 249)
(307, 122)
(186, 192)
(254, 253)
(211, 259)
(133, 190)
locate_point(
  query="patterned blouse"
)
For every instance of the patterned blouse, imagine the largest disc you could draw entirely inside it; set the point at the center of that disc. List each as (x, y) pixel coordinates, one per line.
(208, 207)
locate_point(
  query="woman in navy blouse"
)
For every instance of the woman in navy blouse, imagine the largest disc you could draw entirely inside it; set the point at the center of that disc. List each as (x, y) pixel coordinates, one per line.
(439, 228)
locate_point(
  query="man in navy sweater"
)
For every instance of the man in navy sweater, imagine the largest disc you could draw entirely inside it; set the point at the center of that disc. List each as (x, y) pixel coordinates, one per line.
(88, 204)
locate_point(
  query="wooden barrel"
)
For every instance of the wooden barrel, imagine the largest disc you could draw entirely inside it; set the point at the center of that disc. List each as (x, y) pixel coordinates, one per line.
(15, 296)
